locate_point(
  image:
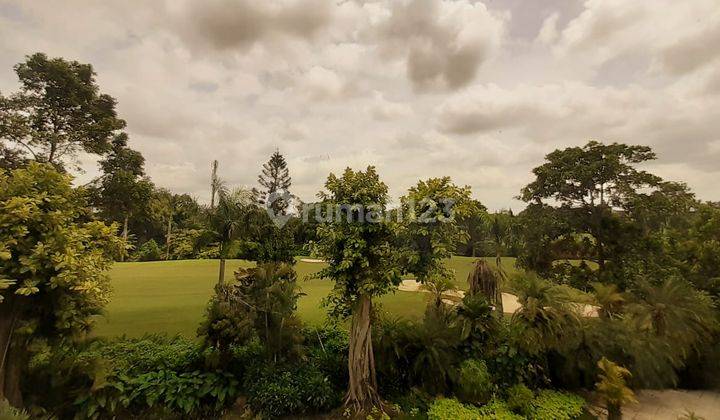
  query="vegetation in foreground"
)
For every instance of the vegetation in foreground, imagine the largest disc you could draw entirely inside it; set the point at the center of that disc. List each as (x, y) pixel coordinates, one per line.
(648, 252)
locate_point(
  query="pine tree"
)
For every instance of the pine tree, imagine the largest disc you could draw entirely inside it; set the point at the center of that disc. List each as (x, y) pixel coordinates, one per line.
(275, 178)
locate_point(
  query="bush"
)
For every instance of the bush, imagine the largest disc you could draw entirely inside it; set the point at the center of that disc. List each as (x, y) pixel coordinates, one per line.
(450, 408)
(328, 351)
(8, 412)
(498, 410)
(555, 405)
(275, 391)
(519, 399)
(149, 251)
(164, 392)
(475, 383)
(134, 356)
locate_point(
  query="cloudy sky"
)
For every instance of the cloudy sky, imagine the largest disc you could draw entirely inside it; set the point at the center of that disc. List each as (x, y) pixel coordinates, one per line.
(480, 91)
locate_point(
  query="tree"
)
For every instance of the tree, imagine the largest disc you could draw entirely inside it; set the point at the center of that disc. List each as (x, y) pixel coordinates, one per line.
(216, 184)
(487, 282)
(53, 262)
(122, 191)
(676, 312)
(58, 111)
(226, 222)
(546, 317)
(431, 230)
(594, 186)
(474, 225)
(275, 179)
(272, 291)
(10, 158)
(363, 264)
(612, 387)
(262, 304)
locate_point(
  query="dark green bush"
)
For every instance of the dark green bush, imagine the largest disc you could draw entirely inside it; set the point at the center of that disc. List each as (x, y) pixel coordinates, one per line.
(149, 251)
(475, 384)
(134, 356)
(519, 399)
(277, 391)
(328, 351)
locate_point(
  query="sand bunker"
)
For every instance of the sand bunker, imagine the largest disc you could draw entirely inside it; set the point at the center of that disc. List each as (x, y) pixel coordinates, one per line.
(510, 301)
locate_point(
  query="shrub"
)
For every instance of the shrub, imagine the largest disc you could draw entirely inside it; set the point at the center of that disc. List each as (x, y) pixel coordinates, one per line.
(275, 391)
(555, 405)
(475, 383)
(328, 351)
(134, 356)
(8, 412)
(149, 251)
(519, 399)
(164, 391)
(498, 410)
(450, 408)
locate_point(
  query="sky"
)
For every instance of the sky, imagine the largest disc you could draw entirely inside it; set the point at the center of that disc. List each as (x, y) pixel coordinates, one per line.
(478, 91)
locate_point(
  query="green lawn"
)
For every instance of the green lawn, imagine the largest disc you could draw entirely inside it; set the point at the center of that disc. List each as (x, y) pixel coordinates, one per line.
(170, 296)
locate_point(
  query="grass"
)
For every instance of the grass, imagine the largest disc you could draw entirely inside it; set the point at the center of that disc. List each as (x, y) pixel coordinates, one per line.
(170, 296)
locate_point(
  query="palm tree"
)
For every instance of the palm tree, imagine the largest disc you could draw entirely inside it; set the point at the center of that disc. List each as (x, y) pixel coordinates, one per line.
(546, 316)
(435, 343)
(225, 221)
(477, 323)
(272, 288)
(483, 279)
(437, 286)
(676, 311)
(609, 299)
(612, 387)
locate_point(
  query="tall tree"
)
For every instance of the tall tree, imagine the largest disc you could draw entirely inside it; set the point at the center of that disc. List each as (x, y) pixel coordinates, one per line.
(594, 186)
(52, 266)
(226, 223)
(474, 225)
(58, 111)
(122, 190)
(362, 262)
(432, 209)
(275, 179)
(216, 184)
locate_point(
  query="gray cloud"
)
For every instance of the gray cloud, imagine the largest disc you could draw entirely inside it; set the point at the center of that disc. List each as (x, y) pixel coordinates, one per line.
(336, 84)
(227, 25)
(443, 43)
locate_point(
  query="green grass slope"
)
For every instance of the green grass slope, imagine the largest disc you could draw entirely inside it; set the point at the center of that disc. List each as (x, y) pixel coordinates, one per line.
(171, 296)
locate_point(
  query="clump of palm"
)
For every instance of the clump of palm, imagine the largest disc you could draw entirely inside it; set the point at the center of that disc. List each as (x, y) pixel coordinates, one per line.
(609, 299)
(546, 316)
(433, 352)
(477, 323)
(612, 387)
(391, 337)
(487, 281)
(675, 311)
(438, 286)
(271, 290)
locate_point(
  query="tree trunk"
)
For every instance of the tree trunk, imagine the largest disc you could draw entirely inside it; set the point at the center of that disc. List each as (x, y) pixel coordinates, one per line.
(10, 356)
(221, 275)
(125, 235)
(167, 239)
(362, 392)
(614, 412)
